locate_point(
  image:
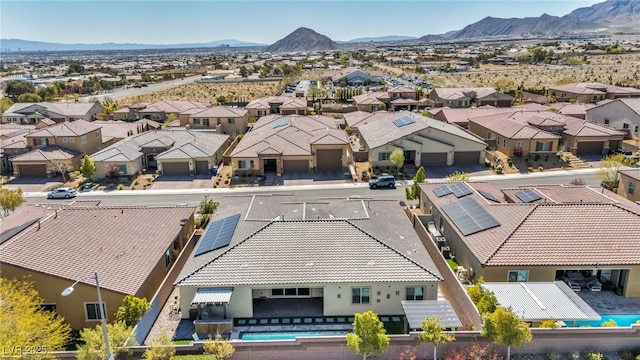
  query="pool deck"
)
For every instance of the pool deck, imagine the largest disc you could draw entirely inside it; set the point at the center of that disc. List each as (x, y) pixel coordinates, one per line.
(608, 303)
(238, 330)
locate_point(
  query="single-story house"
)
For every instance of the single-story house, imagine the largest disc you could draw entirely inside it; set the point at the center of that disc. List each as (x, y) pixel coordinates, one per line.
(292, 143)
(395, 99)
(117, 130)
(353, 76)
(619, 114)
(31, 113)
(464, 97)
(425, 141)
(537, 233)
(157, 111)
(460, 116)
(53, 246)
(269, 105)
(169, 152)
(331, 256)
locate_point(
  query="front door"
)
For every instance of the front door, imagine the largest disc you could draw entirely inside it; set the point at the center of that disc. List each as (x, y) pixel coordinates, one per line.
(270, 165)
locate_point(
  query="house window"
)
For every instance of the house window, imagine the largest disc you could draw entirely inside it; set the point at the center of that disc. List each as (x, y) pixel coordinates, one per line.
(625, 125)
(488, 134)
(196, 121)
(518, 275)
(518, 144)
(84, 139)
(415, 293)
(637, 129)
(606, 121)
(245, 164)
(291, 292)
(231, 121)
(632, 187)
(122, 169)
(41, 142)
(262, 113)
(93, 310)
(167, 258)
(205, 122)
(71, 140)
(97, 132)
(360, 295)
(384, 156)
(65, 140)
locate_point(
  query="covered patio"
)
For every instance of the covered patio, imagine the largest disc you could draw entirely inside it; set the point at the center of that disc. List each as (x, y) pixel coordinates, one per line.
(211, 315)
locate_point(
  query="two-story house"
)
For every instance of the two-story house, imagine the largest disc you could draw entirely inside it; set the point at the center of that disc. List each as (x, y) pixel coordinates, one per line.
(224, 119)
(58, 148)
(269, 105)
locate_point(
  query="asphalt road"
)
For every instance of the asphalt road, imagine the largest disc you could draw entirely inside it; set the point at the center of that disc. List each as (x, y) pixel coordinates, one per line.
(120, 93)
(302, 193)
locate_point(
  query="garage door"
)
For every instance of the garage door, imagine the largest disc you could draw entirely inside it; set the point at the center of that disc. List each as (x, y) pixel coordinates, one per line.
(433, 159)
(296, 165)
(329, 159)
(202, 167)
(177, 168)
(466, 157)
(39, 170)
(590, 147)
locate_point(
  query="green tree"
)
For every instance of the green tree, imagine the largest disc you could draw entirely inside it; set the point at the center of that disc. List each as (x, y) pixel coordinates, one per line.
(458, 176)
(161, 348)
(206, 208)
(368, 336)
(503, 327)
(218, 348)
(24, 323)
(120, 337)
(549, 324)
(10, 200)
(433, 332)
(29, 97)
(5, 103)
(413, 192)
(397, 158)
(88, 167)
(485, 300)
(610, 166)
(132, 310)
(171, 117)
(15, 88)
(47, 93)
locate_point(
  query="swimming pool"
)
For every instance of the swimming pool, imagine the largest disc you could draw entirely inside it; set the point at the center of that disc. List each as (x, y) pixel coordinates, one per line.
(261, 336)
(621, 320)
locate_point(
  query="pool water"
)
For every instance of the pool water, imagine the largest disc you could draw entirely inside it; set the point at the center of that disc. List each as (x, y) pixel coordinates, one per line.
(288, 335)
(621, 320)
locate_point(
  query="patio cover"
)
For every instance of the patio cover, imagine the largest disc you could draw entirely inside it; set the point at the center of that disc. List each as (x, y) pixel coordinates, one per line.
(212, 295)
(416, 311)
(538, 301)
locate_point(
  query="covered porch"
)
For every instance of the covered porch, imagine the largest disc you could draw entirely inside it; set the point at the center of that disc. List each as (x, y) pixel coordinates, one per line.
(210, 316)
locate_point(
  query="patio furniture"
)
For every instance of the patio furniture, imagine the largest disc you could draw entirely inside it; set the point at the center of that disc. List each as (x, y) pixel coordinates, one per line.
(594, 286)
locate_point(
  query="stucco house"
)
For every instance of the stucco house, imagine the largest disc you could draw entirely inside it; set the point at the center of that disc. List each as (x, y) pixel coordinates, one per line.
(395, 99)
(590, 92)
(131, 257)
(537, 233)
(331, 257)
(629, 182)
(222, 119)
(425, 141)
(269, 105)
(353, 76)
(464, 97)
(157, 111)
(167, 152)
(32, 113)
(57, 148)
(619, 114)
(292, 143)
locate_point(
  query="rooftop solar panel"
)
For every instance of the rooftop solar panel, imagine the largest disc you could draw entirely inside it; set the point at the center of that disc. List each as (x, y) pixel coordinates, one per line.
(218, 234)
(488, 196)
(280, 123)
(405, 120)
(441, 191)
(469, 217)
(460, 190)
(528, 195)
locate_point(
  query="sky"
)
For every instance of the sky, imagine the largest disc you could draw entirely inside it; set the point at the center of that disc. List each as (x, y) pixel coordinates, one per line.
(266, 21)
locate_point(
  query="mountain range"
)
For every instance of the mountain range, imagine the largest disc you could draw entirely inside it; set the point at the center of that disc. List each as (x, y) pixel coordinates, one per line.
(610, 16)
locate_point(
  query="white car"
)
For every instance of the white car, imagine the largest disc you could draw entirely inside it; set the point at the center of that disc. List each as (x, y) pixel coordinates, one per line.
(62, 193)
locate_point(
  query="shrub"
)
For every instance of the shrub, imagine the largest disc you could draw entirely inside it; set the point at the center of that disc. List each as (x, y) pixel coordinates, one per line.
(510, 162)
(549, 324)
(553, 356)
(540, 168)
(499, 169)
(609, 323)
(160, 349)
(135, 182)
(530, 169)
(594, 356)
(120, 187)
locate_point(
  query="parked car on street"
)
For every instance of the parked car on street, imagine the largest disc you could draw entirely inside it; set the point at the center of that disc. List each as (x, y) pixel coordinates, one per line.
(384, 180)
(62, 193)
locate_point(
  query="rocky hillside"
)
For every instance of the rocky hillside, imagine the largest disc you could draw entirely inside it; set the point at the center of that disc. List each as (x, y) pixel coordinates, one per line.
(302, 39)
(609, 16)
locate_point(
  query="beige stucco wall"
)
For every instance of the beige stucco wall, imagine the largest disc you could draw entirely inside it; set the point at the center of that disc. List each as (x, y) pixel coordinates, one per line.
(623, 188)
(527, 145)
(132, 167)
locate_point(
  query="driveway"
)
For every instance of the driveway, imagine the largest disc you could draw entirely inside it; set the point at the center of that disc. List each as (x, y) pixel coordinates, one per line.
(33, 184)
(170, 182)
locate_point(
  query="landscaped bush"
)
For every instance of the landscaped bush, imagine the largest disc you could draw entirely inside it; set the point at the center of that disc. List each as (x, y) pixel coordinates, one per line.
(594, 356)
(540, 168)
(120, 187)
(530, 169)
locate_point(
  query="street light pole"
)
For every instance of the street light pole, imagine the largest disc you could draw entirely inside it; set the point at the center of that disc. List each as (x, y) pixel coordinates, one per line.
(103, 316)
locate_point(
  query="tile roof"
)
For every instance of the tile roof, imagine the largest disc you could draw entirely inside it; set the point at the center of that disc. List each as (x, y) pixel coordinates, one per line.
(67, 128)
(72, 109)
(632, 173)
(373, 98)
(110, 240)
(218, 111)
(570, 226)
(47, 153)
(192, 143)
(287, 101)
(291, 138)
(507, 125)
(168, 106)
(328, 240)
(583, 128)
(381, 130)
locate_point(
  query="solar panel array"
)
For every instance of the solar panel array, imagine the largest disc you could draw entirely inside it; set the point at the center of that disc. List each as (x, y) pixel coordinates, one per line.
(528, 195)
(441, 191)
(280, 123)
(218, 234)
(469, 217)
(488, 196)
(405, 120)
(457, 189)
